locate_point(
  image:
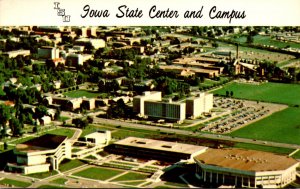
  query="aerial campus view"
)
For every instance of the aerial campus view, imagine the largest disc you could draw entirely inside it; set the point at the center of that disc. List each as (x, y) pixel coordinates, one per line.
(149, 107)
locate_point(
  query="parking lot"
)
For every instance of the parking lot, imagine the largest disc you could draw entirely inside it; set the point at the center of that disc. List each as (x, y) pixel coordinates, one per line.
(242, 113)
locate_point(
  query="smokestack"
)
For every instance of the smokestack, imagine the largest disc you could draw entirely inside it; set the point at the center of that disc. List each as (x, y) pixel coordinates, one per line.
(237, 51)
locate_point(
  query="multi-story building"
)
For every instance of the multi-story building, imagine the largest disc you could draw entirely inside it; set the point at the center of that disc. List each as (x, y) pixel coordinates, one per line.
(156, 149)
(245, 168)
(47, 52)
(165, 109)
(150, 104)
(196, 106)
(138, 101)
(96, 43)
(40, 154)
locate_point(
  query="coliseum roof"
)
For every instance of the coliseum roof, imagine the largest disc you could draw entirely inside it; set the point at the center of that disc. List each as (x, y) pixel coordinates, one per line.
(246, 160)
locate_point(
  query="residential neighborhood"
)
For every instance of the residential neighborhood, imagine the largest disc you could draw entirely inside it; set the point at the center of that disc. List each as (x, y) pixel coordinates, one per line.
(149, 107)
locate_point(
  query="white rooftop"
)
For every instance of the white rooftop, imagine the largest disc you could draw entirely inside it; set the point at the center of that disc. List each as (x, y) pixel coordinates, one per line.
(161, 145)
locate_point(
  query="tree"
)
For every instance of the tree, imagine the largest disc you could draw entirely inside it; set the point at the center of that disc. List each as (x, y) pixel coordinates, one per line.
(5, 115)
(250, 39)
(231, 93)
(101, 86)
(40, 111)
(57, 114)
(16, 127)
(227, 93)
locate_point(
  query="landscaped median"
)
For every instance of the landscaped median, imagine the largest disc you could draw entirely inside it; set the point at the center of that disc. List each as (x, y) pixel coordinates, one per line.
(15, 183)
(98, 173)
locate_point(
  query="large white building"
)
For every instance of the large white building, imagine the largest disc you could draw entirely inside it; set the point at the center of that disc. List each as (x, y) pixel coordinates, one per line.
(99, 137)
(41, 154)
(139, 101)
(245, 168)
(150, 104)
(13, 54)
(196, 106)
(156, 149)
(47, 52)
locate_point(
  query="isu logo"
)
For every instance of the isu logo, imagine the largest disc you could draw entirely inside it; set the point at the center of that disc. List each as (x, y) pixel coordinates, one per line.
(61, 12)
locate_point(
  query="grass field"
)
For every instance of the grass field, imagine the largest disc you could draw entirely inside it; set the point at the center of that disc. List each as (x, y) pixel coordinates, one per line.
(15, 183)
(62, 131)
(70, 164)
(18, 141)
(61, 181)
(131, 176)
(268, 92)
(98, 173)
(296, 155)
(133, 183)
(266, 40)
(283, 126)
(43, 175)
(82, 93)
(276, 150)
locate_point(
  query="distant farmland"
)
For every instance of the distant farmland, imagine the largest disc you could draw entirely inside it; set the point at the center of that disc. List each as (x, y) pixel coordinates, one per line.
(268, 92)
(283, 126)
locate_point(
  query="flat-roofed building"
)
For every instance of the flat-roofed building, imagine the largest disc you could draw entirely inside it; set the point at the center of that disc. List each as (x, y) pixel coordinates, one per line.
(196, 106)
(245, 168)
(150, 104)
(47, 52)
(207, 72)
(13, 54)
(96, 43)
(156, 149)
(40, 154)
(168, 110)
(138, 101)
(99, 137)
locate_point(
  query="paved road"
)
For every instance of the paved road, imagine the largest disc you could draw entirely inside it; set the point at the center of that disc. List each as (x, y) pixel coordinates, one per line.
(184, 132)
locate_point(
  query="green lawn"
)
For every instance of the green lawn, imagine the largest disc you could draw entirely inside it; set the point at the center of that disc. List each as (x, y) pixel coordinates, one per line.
(283, 126)
(70, 164)
(19, 141)
(276, 150)
(132, 176)
(98, 173)
(133, 183)
(269, 92)
(296, 155)
(62, 131)
(15, 183)
(82, 93)
(266, 40)
(63, 118)
(61, 181)
(43, 175)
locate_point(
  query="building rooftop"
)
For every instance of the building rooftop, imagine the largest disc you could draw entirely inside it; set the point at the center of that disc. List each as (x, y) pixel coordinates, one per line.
(44, 142)
(161, 145)
(246, 160)
(97, 134)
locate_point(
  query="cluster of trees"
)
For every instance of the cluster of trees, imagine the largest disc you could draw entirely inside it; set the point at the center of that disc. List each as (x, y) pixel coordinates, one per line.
(108, 86)
(28, 43)
(15, 117)
(229, 93)
(168, 86)
(119, 110)
(28, 95)
(121, 54)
